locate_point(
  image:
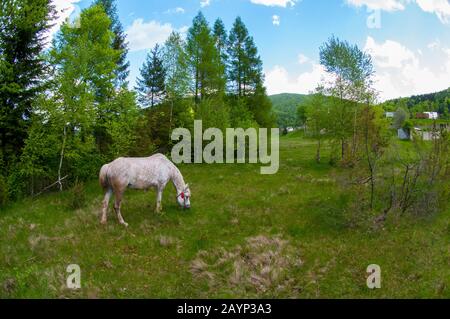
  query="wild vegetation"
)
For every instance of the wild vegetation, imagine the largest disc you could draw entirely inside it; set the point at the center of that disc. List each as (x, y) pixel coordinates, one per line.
(285, 108)
(303, 216)
(348, 193)
(68, 109)
(433, 102)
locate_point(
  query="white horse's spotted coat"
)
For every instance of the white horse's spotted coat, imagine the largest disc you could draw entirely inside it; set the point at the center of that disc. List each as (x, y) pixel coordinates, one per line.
(141, 173)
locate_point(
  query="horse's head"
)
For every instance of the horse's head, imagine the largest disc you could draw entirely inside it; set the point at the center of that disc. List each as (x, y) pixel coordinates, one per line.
(184, 197)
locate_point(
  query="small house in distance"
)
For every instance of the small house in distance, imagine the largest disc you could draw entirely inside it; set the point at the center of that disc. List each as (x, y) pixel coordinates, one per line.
(404, 134)
(427, 115)
(390, 115)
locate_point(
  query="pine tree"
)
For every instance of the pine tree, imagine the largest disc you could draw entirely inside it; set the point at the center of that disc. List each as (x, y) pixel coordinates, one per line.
(204, 60)
(253, 69)
(245, 66)
(119, 42)
(221, 39)
(236, 53)
(24, 25)
(151, 85)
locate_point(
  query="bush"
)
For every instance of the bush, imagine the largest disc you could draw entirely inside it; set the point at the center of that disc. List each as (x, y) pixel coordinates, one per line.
(77, 196)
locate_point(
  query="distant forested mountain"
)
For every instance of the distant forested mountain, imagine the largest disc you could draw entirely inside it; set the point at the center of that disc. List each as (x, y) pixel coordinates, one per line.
(432, 102)
(285, 107)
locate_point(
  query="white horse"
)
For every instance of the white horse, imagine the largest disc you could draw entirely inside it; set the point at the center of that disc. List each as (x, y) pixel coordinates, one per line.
(141, 173)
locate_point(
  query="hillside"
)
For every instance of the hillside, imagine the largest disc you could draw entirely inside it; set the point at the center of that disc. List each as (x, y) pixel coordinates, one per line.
(285, 107)
(437, 102)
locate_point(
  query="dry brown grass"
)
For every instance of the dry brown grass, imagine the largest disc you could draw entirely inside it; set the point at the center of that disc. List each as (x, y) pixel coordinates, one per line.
(260, 267)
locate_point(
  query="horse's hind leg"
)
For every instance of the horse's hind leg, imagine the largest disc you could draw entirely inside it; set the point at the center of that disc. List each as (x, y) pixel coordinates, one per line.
(105, 205)
(117, 204)
(159, 192)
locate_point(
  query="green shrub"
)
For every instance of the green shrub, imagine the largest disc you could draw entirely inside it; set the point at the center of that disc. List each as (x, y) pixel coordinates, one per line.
(77, 196)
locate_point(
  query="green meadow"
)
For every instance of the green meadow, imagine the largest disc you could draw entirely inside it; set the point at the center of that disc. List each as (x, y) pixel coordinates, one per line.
(247, 235)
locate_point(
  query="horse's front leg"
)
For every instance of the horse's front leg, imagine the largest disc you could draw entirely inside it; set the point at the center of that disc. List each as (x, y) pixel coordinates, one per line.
(159, 192)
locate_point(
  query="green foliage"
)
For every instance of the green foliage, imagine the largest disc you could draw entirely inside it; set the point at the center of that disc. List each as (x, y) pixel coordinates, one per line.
(119, 42)
(301, 114)
(432, 102)
(346, 61)
(352, 72)
(88, 117)
(175, 63)
(204, 60)
(400, 117)
(23, 28)
(260, 106)
(220, 36)
(214, 113)
(86, 121)
(285, 107)
(121, 128)
(233, 204)
(244, 63)
(318, 114)
(152, 83)
(77, 196)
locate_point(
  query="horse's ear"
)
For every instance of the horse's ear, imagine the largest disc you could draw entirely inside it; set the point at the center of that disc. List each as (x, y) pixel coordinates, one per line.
(186, 187)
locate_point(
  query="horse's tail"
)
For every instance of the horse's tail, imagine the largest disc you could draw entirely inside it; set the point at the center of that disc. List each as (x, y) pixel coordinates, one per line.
(103, 177)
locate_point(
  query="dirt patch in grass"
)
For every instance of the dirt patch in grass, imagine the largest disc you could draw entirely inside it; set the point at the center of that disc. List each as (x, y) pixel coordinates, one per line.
(261, 267)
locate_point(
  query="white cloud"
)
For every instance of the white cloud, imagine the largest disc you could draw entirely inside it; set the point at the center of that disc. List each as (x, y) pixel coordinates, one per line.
(401, 72)
(276, 20)
(302, 59)
(439, 7)
(177, 10)
(387, 5)
(64, 9)
(278, 80)
(434, 45)
(205, 3)
(144, 35)
(390, 54)
(275, 3)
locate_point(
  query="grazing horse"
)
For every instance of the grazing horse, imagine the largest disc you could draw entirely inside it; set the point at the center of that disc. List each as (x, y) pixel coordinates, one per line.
(141, 173)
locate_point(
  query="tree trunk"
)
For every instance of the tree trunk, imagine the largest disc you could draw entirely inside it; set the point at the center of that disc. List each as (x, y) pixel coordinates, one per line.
(61, 159)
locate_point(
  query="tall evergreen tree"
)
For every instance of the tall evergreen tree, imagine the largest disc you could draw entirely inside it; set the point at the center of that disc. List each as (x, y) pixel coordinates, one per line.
(24, 25)
(236, 53)
(204, 60)
(245, 66)
(221, 39)
(253, 68)
(119, 42)
(151, 85)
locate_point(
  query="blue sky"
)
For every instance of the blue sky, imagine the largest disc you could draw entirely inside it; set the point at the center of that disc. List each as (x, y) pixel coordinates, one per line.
(409, 40)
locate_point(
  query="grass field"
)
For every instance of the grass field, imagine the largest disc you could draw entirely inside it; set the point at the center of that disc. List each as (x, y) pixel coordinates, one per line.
(247, 235)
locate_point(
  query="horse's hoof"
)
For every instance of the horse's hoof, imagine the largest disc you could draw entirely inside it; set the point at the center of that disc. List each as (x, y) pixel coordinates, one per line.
(103, 222)
(125, 224)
